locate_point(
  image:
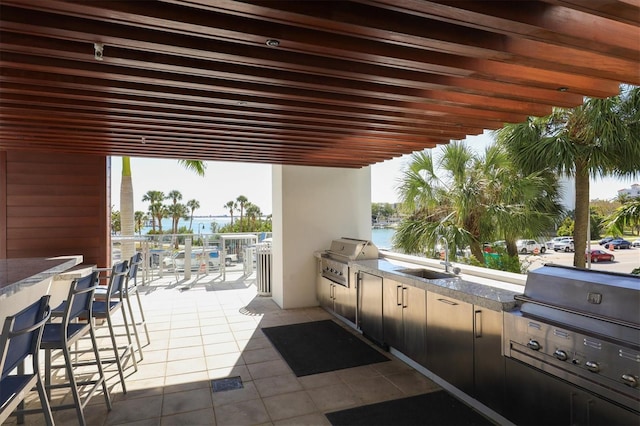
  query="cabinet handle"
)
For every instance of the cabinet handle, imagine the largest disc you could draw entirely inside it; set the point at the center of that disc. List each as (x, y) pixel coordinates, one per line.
(331, 291)
(398, 295)
(478, 323)
(405, 300)
(448, 302)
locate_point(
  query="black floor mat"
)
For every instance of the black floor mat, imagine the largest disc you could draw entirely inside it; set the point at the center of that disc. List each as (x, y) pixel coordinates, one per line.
(320, 346)
(430, 409)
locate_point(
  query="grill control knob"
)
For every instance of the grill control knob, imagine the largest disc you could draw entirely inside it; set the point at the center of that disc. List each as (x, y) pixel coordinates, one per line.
(630, 380)
(533, 344)
(592, 366)
(561, 355)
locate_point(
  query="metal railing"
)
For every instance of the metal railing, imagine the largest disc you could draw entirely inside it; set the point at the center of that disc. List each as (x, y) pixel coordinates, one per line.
(187, 253)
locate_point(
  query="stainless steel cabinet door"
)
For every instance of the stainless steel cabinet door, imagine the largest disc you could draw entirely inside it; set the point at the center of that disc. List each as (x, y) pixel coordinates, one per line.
(489, 364)
(450, 340)
(370, 317)
(414, 315)
(392, 313)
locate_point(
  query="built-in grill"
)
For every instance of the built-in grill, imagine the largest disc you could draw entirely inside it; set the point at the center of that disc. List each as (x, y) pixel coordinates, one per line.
(583, 327)
(335, 261)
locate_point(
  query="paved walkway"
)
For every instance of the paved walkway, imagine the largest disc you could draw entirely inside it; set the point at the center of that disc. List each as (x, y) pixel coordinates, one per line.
(207, 330)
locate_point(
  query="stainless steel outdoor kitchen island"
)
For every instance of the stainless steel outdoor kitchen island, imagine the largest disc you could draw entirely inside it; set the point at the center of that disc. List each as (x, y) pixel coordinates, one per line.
(469, 334)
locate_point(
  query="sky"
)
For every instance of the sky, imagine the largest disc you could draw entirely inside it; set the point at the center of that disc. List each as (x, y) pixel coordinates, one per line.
(225, 181)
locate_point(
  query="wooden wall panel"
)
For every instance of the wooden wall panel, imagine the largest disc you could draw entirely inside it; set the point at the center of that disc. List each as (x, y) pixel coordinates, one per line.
(54, 205)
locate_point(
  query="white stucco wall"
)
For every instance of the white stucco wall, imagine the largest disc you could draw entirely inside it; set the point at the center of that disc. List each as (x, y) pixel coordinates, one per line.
(311, 207)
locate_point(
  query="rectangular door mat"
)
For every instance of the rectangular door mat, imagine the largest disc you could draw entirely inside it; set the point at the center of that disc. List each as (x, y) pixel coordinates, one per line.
(320, 346)
(430, 409)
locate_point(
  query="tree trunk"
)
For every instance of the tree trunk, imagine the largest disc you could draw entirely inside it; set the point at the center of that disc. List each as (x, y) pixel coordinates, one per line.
(582, 214)
(127, 220)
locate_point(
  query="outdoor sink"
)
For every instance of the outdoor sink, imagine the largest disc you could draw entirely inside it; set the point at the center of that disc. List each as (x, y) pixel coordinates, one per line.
(427, 274)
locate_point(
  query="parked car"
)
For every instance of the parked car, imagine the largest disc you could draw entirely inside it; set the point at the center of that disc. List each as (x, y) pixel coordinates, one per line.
(549, 244)
(605, 240)
(598, 255)
(530, 246)
(565, 244)
(636, 243)
(620, 243)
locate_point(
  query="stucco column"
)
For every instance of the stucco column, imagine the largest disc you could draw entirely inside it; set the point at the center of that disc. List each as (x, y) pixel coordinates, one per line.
(311, 207)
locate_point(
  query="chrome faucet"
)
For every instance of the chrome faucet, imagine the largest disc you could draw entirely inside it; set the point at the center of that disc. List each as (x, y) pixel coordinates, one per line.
(446, 262)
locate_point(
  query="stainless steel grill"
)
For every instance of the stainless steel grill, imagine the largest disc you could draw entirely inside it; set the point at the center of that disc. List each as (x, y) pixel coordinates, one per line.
(583, 327)
(335, 261)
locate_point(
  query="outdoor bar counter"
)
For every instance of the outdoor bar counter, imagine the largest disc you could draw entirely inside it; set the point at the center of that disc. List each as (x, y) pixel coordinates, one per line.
(23, 281)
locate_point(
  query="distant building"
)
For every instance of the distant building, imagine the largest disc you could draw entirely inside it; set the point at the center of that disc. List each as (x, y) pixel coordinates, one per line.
(634, 191)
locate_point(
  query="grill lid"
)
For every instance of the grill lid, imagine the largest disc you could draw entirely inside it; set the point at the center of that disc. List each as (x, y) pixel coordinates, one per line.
(603, 294)
(352, 249)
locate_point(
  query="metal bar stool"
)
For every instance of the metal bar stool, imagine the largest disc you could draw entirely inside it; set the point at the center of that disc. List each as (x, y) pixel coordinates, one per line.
(131, 288)
(75, 313)
(21, 335)
(105, 305)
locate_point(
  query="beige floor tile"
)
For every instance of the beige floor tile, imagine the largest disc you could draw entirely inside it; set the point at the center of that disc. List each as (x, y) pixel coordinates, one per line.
(242, 413)
(185, 342)
(224, 360)
(260, 355)
(220, 348)
(151, 357)
(315, 419)
(276, 385)
(334, 397)
(185, 353)
(375, 389)
(191, 331)
(254, 343)
(223, 327)
(268, 369)
(212, 339)
(135, 409)
(412, 383)
(186, 381)
(186, 366)
(182, 402)
(319, 380)
(355, 374)
(246, 393)
(204, 417)
(289, 405)
(234, 371)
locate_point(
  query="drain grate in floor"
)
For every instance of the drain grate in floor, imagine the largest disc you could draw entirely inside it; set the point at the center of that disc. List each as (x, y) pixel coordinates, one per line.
(226, 384)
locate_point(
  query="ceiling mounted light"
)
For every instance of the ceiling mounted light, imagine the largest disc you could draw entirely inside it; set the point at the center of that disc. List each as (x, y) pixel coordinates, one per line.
(98, 51)
(272, 42)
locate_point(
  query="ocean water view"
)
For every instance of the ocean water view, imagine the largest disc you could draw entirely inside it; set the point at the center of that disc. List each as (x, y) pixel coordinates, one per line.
(381, 237)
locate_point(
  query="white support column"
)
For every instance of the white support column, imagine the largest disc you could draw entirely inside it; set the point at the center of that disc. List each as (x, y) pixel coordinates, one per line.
(311, 207)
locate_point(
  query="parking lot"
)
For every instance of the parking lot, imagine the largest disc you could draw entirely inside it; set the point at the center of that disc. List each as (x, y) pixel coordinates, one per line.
(625, 260)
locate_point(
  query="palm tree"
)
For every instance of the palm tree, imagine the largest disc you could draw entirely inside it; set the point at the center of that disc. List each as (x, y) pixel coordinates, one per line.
(174, 210)
(155, 199)
(253, 213)
(193, 205)
(126, 209)
(597, 139)
(126, 199)
(626, 215)
(242, 200)
(451, 207)
(231, 205)
(478, 198)
(140, 218)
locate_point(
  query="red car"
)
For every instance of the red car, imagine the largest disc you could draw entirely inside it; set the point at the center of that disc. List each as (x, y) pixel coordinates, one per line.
(599, 256)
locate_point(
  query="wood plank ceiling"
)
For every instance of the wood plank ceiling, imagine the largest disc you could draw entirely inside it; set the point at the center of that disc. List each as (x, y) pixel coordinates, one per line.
(326, 83)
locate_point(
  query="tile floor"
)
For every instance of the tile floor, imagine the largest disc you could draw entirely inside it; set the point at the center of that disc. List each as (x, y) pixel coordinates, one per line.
(206, 330)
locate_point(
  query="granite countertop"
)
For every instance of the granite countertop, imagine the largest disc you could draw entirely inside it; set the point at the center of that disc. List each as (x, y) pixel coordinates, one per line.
(484, 292)
(17, 274)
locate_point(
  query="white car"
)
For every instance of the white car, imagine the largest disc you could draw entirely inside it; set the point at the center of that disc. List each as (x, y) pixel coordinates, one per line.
(549, 244)
(564, 245)
(530, 246)
(636, 243)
